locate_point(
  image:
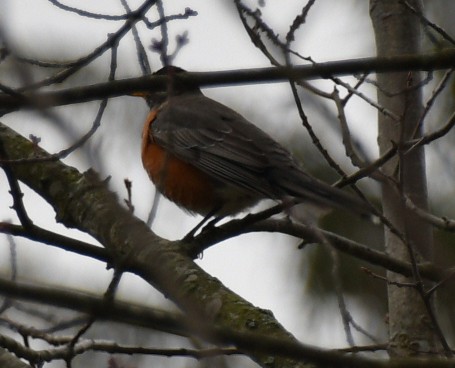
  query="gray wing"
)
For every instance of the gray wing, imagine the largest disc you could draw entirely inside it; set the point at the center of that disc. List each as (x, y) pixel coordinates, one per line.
(220, 142)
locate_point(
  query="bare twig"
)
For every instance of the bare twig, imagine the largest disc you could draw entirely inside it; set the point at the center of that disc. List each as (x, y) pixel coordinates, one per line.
(428, 138)
(365, 98)
(188, 13)
(371, 170)
(161, 46)
(50, 238)
(112, 40)
(345, 315)
(351, 93)
(440, 222)
(359, 349)
(436, 92)
(436, 286)
(386, 280)
(345, 133)
(153, 210)
(129, 199)
(66, 353)
(430, 24)
(84, 13)
(299, 20)
(140, 49)
(15, 191)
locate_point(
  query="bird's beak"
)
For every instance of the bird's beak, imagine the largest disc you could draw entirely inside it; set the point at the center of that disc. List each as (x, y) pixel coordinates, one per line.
(152, 99)
(139, 94)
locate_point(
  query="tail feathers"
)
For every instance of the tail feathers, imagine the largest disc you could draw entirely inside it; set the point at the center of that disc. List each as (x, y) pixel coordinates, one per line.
(320, 193)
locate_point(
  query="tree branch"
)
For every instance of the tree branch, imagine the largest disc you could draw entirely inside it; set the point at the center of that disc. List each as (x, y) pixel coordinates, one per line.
(244, 340)
(441, 60)
(82, 201)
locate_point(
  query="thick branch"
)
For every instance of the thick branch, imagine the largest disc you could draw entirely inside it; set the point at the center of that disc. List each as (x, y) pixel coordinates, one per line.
(82, 201)
(91, 304)
(157, 319)
(442, 60)
(10, 360)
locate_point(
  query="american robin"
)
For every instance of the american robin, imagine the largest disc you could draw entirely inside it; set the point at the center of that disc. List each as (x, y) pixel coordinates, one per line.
(211, 161)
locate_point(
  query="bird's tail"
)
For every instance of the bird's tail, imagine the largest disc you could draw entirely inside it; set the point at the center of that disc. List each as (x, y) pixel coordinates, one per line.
(300, 185)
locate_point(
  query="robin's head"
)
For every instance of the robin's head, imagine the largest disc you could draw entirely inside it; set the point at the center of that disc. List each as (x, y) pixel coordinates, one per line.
(177, 82)
(176, 85)
(169, 70)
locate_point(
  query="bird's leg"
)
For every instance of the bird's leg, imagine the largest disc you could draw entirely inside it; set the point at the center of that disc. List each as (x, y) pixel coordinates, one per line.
(193, 231)
(212, 223)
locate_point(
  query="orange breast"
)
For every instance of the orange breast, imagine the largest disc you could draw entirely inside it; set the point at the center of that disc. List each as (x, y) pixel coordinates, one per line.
(177, 180)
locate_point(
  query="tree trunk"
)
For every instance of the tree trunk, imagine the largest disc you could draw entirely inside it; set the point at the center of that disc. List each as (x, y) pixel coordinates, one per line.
(398, 32)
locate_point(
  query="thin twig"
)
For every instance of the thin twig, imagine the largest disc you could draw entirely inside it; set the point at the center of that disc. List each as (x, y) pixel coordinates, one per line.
(162, 46)
(386, 280)
(15, 191)
(367, 348)
(436, 286)
(299, 20)
(441, 222)
(86, 14)
(112, 39)
(188, 13)
(66, 353)
(108, 298)
(371, 170)
(345, 133)
(435, 93)
(428, 138)
(345, 315)
(154, 209)
(41, 235)
(427, 22)
(129, 199)
(140, 49)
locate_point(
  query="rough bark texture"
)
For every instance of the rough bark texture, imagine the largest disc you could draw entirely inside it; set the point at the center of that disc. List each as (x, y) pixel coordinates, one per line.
(8, 360)
(397, 32)
(83, 202)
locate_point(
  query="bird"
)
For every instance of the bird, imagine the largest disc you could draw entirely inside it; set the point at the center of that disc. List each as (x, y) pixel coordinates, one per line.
(211, 161)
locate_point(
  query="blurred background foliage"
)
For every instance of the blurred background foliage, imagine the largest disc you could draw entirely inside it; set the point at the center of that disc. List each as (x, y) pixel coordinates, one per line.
(310, 276)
